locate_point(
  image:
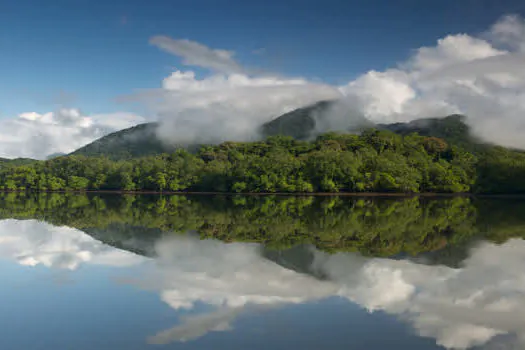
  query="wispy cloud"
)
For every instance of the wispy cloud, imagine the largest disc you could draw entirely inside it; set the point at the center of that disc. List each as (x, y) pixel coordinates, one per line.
(199, 55)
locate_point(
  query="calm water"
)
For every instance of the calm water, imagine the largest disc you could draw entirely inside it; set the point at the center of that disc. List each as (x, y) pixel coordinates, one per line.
(118, 272)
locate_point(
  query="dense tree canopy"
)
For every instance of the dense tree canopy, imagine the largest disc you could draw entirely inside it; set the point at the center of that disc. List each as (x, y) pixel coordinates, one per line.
(375, 161)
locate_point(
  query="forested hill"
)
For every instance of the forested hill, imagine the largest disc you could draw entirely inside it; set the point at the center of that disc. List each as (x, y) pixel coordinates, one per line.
(137, 141)
(5, 162)
(373, 161)
(452, 129)
(302, 124)
(428, 155)
(141, 140)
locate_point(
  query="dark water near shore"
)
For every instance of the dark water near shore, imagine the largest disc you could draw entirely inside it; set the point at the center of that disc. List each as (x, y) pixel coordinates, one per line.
(221, 272)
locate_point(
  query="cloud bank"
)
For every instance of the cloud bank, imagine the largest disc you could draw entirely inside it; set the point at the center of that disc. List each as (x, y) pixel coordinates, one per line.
(228, 108)
(481, 76)
(35, 135)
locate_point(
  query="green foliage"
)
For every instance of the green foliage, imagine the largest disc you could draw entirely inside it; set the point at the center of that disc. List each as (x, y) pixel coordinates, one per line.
(373, 227)
(136, 141)
(378, 227)
(375, 161)
(77, 183)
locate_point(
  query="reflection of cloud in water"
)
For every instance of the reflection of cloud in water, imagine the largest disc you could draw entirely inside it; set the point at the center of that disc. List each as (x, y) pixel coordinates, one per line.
(460, 308)
(198, 325)
(190, 270)
(32, 243)
(482, 303)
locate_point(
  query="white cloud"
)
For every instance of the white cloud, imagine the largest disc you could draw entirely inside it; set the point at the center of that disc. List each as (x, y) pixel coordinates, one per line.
(451, 50)
(196, 54)
(228, 107)
(481, 76)
(509, 31)
(189, 270)
(35, 135)
(230, 104)
(382, 93)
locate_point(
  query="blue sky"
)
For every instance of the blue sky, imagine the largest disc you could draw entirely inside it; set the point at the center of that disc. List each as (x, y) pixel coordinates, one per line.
(85, 53)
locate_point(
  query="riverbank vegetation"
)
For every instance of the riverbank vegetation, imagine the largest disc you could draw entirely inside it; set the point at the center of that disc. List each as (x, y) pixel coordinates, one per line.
(375, 161)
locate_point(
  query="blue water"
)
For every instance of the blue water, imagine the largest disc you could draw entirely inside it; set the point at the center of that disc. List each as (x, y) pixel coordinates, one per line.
(63, 289)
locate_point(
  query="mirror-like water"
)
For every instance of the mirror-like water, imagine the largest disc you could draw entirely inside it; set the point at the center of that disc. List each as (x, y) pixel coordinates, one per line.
(145, 272)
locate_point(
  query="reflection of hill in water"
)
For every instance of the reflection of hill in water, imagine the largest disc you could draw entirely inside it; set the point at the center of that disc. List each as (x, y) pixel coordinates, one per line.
(140, 240)
(477, 304)
(431, 231)
(135, 239)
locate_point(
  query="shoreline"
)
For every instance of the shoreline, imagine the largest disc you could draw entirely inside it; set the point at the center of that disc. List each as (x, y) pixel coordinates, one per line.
(282, 194)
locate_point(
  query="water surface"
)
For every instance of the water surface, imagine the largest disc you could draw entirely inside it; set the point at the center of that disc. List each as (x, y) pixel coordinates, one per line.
(149, 272)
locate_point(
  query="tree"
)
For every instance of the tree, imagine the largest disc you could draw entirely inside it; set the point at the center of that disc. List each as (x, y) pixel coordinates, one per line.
(160, 180)
(77, 183)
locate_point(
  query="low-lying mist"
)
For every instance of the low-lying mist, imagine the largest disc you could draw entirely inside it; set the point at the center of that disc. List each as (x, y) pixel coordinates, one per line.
(481, 77)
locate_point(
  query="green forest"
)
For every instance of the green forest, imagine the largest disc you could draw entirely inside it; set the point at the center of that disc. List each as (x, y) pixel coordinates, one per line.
(371, 226)
(374, 161)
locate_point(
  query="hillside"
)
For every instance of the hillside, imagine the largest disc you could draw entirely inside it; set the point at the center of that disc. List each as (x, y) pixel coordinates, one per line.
(305, 123)
(137, 141)
(451, 128)
(302, 124)
(55, 155)
(140, 140)
(6, 162)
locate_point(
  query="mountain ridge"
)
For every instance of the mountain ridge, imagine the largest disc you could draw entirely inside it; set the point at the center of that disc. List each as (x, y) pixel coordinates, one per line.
(302, 124)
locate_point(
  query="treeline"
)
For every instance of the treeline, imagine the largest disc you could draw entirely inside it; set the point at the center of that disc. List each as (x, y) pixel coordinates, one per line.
(375, 161)
(375, 227)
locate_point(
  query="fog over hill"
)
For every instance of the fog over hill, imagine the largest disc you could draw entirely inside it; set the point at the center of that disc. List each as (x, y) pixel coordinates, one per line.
(479, 75)
(304, 123)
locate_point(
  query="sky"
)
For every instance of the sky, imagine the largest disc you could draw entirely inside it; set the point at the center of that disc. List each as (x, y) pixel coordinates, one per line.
(74, 70)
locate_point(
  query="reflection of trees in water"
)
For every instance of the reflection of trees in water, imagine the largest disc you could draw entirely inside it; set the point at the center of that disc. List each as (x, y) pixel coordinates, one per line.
(431, 230)
(476, 302)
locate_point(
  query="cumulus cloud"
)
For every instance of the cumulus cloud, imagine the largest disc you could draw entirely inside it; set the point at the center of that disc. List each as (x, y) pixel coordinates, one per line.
(480, 76)
(229, 104)
(510, 31)
(35, 135)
